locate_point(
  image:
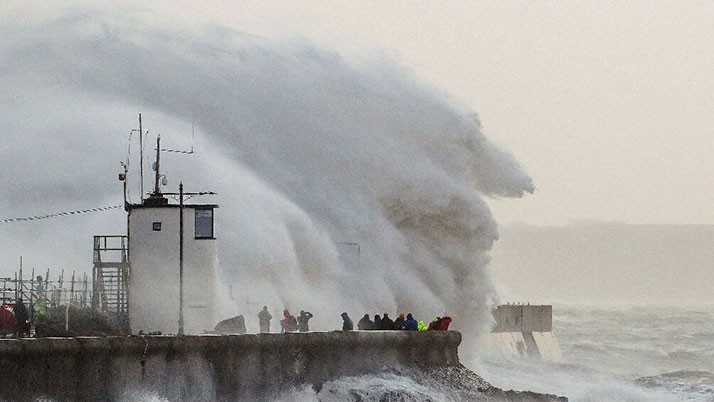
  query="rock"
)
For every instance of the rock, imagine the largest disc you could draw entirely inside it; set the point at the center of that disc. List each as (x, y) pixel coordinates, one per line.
(235, 325)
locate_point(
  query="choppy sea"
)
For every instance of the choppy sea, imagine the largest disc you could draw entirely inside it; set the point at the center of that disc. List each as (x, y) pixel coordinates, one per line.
(632, 354)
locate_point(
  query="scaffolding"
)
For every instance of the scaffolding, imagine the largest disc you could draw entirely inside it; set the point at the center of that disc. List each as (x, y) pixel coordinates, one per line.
(106, 292)
(111, 275)
(41, 292)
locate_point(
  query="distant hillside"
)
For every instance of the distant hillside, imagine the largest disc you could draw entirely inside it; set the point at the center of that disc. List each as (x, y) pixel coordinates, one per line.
(605, 263)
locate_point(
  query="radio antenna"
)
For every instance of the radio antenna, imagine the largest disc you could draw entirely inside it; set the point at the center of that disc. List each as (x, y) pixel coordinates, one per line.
(141, 159)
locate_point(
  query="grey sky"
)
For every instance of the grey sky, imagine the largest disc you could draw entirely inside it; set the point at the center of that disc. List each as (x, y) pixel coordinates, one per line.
(608, 105)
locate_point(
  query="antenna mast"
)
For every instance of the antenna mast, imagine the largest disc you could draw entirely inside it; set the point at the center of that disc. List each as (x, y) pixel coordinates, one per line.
(157, 190)
(141, 159)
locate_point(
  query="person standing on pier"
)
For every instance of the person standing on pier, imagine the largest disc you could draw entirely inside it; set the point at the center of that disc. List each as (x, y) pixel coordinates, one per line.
(21, 319)
(289, 322)
(264, 318)
(411, 324)
(302, 320)
(399, 322)
(387, 322)
(347, 324)
(365, 323)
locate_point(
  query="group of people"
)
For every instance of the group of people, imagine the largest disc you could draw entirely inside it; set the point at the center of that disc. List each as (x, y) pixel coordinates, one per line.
(406, 323)
(289, 323)
(15, 318)
(18, 318)
(22, 318)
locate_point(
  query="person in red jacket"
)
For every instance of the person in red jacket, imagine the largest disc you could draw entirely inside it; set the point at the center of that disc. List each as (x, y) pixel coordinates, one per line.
(289, 322)
(444, 323)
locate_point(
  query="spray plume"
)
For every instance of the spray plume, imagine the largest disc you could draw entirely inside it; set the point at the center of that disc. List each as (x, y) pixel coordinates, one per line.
(343, 186)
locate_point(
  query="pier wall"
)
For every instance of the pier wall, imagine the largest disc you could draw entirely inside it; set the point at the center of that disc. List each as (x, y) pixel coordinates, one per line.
(208, 367)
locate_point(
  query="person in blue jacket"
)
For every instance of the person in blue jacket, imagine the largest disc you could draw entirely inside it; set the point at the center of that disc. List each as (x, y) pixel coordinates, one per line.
(411, 324)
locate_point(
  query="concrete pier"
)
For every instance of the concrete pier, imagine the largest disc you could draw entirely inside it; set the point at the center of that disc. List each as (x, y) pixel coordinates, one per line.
(524, 330)
(208, 367)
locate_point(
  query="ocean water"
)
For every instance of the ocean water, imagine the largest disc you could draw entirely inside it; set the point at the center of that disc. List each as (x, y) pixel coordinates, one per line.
(633, 353)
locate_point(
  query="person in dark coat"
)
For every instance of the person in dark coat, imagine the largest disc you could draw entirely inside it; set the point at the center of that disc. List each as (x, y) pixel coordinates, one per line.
(302, 320)
(347, 324)
(365, 323)
(377, 322)
(21, 318)
(434, 324)
(387, 322)
(411, 324)
(399, 322)
(264, 318)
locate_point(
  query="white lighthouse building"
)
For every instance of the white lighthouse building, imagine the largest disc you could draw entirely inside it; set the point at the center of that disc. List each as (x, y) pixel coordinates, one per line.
(170, 281)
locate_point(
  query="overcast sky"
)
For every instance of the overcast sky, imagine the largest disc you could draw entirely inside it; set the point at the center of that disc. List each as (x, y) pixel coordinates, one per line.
(608, 105)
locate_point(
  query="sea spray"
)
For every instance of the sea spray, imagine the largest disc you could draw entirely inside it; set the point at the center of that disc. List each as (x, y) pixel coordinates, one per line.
(308, 152)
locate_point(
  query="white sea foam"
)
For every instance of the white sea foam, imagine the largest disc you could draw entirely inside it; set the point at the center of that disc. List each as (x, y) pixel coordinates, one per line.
(606, 360)
(367, 388)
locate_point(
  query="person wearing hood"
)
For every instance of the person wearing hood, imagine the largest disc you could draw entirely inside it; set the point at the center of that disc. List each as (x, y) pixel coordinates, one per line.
(421, 326)
(399, 322)
(365, 323)
(434, 324)
(347, 324)
(377, 322)
(387, 322)
(444, 323)
(411, 324)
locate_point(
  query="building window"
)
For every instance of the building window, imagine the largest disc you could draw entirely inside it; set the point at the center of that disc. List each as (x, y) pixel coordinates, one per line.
(157, 226)
(204, 223)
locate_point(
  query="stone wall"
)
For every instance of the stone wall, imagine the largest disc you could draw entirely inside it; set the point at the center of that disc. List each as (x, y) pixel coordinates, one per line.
(209, 367)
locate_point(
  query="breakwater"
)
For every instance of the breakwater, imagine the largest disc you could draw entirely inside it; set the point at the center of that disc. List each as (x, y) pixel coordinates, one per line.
(524, 330)
(209, 367)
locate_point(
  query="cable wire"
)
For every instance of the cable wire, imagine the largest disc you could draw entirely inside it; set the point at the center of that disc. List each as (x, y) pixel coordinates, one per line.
(55, 215)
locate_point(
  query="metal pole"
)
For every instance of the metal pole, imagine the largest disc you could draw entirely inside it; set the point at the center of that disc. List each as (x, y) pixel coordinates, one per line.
(180, 322)
(141, 160)
(158, 155)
